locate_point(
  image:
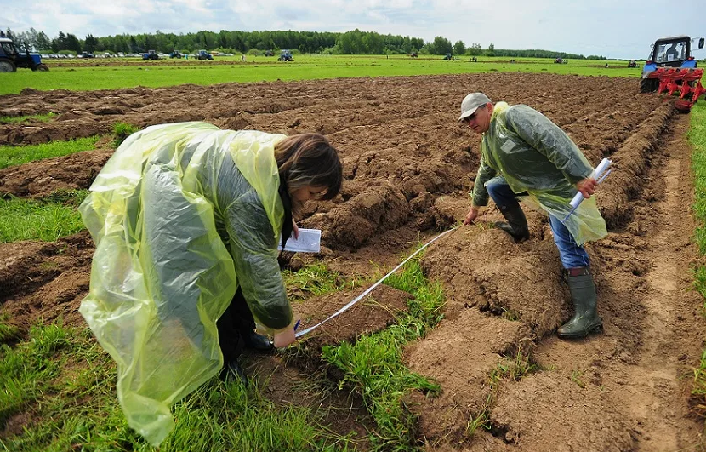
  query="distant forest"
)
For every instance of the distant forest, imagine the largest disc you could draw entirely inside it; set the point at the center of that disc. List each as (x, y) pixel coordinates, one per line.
(350, 42)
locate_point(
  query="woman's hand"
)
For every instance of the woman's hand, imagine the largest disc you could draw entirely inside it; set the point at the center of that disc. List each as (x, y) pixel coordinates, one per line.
(295, 230)
(285, 337)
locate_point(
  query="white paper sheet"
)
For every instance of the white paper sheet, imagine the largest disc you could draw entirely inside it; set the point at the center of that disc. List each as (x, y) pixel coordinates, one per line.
(309, 242)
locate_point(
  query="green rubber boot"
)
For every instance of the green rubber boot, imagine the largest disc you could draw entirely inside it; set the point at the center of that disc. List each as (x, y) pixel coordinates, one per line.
(516, 224)
(583, 295)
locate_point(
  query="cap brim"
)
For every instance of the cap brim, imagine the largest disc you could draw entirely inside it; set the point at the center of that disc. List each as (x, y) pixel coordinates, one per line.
(467, 113)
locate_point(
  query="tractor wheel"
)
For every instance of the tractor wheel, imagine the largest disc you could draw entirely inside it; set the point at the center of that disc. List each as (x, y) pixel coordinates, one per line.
(7, 66)
(649, 85)
(42, 67)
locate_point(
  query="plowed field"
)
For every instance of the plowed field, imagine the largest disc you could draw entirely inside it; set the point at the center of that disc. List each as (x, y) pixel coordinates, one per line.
(408, 169)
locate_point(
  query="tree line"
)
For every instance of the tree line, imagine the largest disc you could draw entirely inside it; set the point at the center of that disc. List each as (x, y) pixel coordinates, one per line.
(349, 42)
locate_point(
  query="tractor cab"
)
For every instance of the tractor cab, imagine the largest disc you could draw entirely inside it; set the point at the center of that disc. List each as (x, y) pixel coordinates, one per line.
(11, 58)
(672, 52)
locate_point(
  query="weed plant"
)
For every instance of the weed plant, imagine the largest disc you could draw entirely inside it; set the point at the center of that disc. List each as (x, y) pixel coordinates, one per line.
(122, 130)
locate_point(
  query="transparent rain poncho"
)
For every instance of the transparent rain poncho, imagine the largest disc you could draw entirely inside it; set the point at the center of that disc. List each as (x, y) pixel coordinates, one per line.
(534, 155)
(162, 213)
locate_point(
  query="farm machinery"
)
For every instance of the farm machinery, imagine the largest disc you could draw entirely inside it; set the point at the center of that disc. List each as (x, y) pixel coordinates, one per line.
(203, 55)
(672, 69)
(11, 58)
(286, 55)
(150, 55)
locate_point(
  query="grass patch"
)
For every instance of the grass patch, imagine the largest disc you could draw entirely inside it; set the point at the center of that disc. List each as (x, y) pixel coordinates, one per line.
(697, 137)
(314, 280)
(373, 365)
(43, 219)
(36, 118)
(62, 385)
(28, 369)
(17, 155)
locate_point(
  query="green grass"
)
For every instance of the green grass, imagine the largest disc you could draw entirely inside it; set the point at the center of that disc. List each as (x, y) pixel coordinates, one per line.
(373, 365)
(72, 76)
(17, 155)
(63, 385)
(697, 137)
(8, 332)
(19, 119)
(315, 280)
(43, 219)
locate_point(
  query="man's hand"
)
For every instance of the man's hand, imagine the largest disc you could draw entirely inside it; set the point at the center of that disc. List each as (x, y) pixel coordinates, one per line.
(471, 217)
(587, 187)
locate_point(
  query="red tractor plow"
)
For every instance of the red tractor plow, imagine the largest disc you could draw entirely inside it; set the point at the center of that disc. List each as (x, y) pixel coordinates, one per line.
(683, 82)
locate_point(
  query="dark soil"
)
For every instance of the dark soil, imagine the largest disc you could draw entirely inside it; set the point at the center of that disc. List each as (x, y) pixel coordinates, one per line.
(408, 169)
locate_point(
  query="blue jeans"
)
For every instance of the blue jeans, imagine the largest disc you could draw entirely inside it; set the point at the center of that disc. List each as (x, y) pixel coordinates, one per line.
(572, 255)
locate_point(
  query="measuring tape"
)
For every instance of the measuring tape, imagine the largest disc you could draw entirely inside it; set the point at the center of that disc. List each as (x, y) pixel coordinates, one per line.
(371, 288)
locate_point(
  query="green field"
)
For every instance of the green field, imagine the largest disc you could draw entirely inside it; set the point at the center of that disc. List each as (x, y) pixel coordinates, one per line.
(73, 75)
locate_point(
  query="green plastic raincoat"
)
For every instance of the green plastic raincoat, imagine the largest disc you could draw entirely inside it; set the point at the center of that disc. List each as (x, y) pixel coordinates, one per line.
(175, 214)
(534, 155)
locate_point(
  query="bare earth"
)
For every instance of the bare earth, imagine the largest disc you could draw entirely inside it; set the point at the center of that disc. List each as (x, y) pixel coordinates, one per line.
(408, 168)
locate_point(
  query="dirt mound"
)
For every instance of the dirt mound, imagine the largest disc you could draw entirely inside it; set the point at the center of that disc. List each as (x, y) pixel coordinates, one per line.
(38, 179)
(408, 168)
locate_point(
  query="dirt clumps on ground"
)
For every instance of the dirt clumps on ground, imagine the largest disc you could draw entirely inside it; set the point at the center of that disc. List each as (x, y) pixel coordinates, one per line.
(408, 169)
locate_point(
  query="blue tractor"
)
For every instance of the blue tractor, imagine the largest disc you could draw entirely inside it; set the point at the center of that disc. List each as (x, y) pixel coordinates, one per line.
(11, 58)
(669, 56)
(204, 55)
(286, 55)
(150, 55)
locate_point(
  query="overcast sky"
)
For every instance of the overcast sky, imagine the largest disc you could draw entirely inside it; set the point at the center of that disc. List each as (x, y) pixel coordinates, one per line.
(612, 28)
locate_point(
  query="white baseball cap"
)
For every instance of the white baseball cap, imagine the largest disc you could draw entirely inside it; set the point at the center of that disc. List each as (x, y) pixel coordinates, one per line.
(471, 103)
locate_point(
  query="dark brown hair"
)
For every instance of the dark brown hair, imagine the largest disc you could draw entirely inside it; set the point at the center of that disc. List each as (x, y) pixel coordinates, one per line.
(309, 159)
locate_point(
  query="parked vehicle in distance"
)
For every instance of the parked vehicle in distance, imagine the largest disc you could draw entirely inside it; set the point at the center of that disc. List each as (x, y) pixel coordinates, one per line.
(203, 55)
(286, 55)
(150, 55)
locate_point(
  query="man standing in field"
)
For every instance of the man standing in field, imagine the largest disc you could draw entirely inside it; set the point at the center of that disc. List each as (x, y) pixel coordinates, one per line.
(524, 154)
